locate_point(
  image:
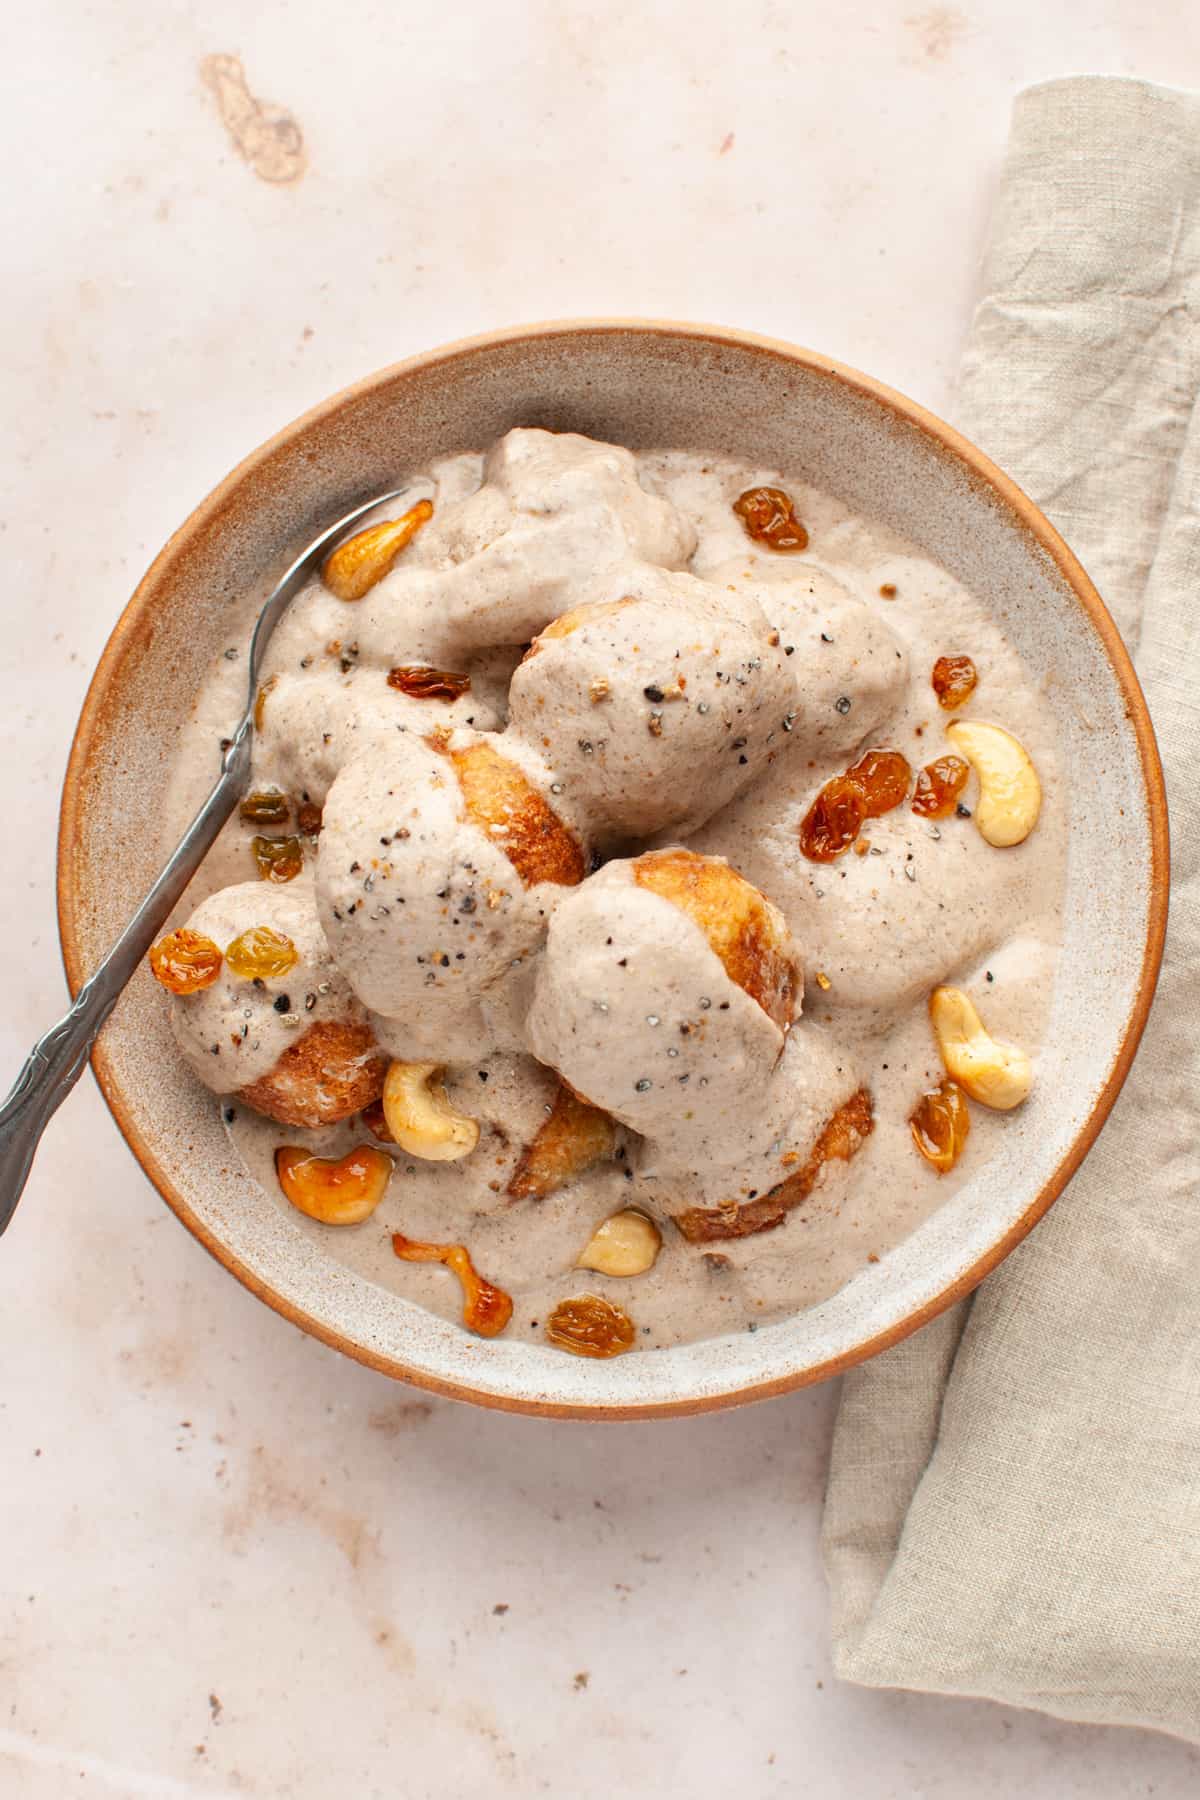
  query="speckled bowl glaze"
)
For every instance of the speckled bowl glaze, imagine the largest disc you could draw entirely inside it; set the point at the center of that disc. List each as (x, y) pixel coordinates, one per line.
(643, 384)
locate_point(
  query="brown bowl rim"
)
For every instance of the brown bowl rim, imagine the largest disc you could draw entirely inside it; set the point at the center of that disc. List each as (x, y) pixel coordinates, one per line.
(137, 617)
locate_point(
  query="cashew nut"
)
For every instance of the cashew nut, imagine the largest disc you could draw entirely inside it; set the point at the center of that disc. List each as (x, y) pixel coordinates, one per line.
(420, 1117)
(356, 565)
(626, 1244)
(1010, 794)
(341, 1192)
(997, 1075)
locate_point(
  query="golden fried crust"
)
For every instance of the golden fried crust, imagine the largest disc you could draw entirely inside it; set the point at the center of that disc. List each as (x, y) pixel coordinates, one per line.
(743, 928)
(568, 622)
(841, 1139)
(513, 814)
(574, 1137)
(334, 1070)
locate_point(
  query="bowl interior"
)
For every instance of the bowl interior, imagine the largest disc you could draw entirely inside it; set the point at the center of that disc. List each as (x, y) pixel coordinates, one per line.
(645, 386)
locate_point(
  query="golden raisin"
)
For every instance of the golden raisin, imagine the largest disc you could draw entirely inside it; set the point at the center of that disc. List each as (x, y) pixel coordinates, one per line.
(883, 776)
(834, 820)
(941, 1125)
(341, 1191)
(590, 1326)
(953, 681)
(428, 684)
(769, 516)
(278, 859)
(938, 786)
(260, 953)
(355, 566)
(308, 818)
(267, 807)
(185, 961)
(260, 702)
(486, 1308)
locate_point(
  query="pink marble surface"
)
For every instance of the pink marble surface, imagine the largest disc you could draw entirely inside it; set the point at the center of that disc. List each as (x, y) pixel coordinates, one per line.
(234, 1562)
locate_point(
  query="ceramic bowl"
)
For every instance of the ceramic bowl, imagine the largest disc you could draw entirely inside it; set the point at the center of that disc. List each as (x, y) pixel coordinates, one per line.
(643, 384)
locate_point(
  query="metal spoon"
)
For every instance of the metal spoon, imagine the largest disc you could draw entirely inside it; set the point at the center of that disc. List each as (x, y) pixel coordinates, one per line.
(56, 1061)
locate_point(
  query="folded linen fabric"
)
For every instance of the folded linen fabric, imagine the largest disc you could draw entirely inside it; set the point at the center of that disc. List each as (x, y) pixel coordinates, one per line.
(1014, 1499)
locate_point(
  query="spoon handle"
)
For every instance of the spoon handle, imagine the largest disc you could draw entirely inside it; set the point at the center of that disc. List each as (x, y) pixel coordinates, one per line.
(56, 1061)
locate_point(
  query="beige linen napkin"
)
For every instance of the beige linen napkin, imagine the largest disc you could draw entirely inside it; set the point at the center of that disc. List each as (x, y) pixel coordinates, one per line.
(1014, 1499)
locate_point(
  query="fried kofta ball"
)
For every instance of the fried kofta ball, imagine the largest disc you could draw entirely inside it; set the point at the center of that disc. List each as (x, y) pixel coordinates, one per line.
(664, 996)
(440, 861)
(278, 1027)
